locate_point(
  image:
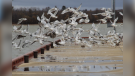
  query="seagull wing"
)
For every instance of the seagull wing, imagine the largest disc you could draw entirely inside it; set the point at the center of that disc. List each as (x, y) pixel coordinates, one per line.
(42, 16)
(24, 45)
(19, 43)
(15, 38)
(20, 20)
(33, 42)
(116, 20)
(14, 27)
(38, 18)
(38, 31)
(111, 21)
(19, 27)
(93, 25)
(23, 19)
(103, 8)
(56, 12)
(121, 13)
(79, 7)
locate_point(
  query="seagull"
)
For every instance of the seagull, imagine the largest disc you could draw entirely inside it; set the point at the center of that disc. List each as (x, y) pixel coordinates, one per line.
(53, 14)
(21, 19)
(109, 9)
(86, 20)
(114, 23)
(42, 19)
(121, 13)
(79, 7)
(17, 46)
(74, 23)
(64, 29)
(65, 11)
(26, 30)
(15, 29)
(25, 43)
(81, 20)
(102, 20)
(37, 40)
(103, 9)
(20, 36)
(62, 42)
(54, 45)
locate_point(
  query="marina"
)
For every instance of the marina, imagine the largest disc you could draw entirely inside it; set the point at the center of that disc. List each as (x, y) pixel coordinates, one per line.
(68, 42)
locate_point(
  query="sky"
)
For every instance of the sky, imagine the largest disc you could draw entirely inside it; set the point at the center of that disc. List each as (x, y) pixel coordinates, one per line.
(86, 4)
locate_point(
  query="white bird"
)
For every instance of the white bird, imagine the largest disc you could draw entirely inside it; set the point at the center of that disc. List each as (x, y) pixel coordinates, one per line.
(17, 30)
(42, 20)
(121, 13)
(62, 42)
(21, 19)
(26, 30)
(86, 20)
(65, 11)
(17, 46)
(74, 23)
(53, 15)
(114, 23)
(102, 20)
(103, 9)
(81, 20)
(26, 42)
(54, 45)
(38, 40)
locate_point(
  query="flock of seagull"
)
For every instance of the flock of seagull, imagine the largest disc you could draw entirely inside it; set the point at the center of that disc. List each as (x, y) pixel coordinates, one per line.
(64, 28)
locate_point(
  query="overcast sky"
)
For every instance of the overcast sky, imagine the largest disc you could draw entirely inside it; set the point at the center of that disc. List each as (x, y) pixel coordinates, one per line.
(86, 4)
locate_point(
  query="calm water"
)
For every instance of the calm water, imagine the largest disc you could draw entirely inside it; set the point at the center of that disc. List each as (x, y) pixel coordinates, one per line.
(16, 53)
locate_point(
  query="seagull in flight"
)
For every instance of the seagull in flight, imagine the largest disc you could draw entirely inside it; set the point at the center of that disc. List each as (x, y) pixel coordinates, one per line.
(17, 46)
(114, 23)
(53, 14)
(21, 19)
(121, 13)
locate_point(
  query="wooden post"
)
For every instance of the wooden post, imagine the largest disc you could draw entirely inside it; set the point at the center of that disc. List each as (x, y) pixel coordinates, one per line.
(26, 59)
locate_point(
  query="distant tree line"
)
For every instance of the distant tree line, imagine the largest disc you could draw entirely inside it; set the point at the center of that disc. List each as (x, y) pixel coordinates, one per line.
(32, 13)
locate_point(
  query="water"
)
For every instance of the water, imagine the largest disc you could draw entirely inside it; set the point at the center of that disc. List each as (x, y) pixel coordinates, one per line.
(75, 61)
(16, 53)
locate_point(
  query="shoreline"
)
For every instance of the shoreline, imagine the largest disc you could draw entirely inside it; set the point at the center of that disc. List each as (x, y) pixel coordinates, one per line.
(82, 23)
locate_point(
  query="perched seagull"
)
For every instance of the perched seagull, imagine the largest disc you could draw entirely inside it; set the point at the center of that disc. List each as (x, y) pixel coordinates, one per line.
(21, 19)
